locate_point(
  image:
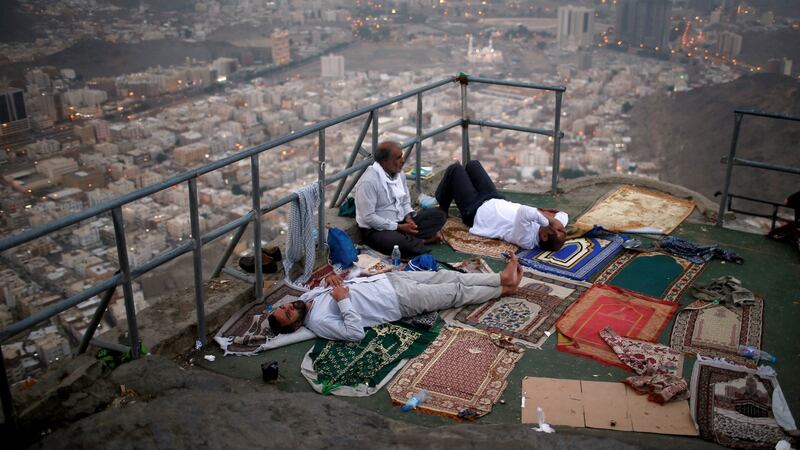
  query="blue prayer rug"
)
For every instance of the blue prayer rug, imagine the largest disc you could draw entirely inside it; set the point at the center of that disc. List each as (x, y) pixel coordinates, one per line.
(578, 259)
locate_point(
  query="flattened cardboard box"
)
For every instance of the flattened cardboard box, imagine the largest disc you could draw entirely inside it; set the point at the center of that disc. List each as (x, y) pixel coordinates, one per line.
(605, 405)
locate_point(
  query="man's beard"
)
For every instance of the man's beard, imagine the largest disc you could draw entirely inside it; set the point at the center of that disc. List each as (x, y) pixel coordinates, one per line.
(302, 310)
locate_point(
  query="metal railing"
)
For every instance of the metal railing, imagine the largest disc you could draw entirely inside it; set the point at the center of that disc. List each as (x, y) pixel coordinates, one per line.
(126, 274)
(732, 160)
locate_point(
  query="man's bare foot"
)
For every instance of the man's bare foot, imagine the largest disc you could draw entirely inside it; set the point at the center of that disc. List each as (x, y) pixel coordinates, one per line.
(435, 239)
(511, 276)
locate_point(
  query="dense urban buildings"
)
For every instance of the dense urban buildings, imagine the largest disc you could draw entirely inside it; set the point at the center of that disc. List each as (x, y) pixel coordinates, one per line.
(80, 132)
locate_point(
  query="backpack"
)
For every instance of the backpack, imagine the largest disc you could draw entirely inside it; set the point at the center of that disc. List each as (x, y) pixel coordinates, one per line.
(340, 248)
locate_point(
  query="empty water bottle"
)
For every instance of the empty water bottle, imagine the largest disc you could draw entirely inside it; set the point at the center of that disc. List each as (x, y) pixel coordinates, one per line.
(415, 400)
(395, 258)
(753, 353)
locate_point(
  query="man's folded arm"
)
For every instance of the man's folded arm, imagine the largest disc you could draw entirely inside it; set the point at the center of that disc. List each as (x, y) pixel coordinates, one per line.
(522, 234)
(348, 328)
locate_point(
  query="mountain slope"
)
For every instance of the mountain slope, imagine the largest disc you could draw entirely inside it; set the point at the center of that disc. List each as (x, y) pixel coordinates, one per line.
(687, 133)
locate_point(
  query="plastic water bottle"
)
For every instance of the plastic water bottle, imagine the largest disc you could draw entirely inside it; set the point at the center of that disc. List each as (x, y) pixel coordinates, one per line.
(395, 258)
(415, 400)
(753, 353)
(426, 201)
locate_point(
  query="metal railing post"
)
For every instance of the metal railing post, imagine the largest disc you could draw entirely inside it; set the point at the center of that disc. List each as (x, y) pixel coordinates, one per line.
(374, 131)
(229, 250)
(352, 158)
(258, 283)
(737, 123)
(96, 318)
(556, 144)
(199, 292)
(419, 144)
(127, 288)
(5, 396)
(321, 181)
(464, 122)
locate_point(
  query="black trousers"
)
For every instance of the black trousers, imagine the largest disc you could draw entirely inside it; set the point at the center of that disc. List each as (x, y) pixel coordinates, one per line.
(429, 222)
(469, 186)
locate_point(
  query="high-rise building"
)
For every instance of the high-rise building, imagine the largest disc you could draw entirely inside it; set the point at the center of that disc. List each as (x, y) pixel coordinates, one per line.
(13, 114)
(643, 23)
(280, 47)
(575, 27)
(729, 44)
(333, 66)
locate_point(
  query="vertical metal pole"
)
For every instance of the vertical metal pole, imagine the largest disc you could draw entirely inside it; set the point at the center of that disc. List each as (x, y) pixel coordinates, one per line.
(256, 225)
(321, 181)
(96, 318)
(127, 287)
(374, 131)
(464, 124)
(5, 397)
(556, 144)
(352, 159)
(199, 292)
(419, 144)
(228, 251)
(737, 123)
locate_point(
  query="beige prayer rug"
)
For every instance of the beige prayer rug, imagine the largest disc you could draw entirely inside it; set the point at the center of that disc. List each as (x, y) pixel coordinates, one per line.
(630, 208)
(464, 372)
(528, 315)
(457, 236)
(718, 331)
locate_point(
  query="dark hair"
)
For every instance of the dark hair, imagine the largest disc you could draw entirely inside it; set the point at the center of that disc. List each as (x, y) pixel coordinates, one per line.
(277, 328)
(384, 151)
(552, 243)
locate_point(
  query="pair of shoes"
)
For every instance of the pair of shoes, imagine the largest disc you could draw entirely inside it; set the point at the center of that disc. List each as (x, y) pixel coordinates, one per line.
(273, 252)
(268, 264)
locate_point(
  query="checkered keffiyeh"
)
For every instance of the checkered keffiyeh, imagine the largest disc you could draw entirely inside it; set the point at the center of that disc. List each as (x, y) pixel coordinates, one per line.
(300, 242)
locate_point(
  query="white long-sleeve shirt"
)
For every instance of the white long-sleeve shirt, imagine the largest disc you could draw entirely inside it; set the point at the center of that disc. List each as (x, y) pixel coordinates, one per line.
(372, 301)
(512, 222)
(374, 208)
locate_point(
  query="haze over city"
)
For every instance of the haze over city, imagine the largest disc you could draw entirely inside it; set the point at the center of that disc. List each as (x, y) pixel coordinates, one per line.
(100, 98)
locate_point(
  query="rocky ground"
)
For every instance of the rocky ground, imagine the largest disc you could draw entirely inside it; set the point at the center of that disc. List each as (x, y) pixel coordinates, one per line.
(156, 403)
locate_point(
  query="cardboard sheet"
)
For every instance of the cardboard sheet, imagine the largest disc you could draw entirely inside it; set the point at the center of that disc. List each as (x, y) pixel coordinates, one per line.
(605, 405)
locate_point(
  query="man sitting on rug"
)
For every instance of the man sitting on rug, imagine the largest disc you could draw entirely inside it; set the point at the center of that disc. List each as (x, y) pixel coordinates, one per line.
(342, 310)
(489, 215)
(383, 208)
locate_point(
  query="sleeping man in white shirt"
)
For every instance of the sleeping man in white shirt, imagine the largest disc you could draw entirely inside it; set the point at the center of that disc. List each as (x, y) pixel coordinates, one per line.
(489, 215)
(342, 309)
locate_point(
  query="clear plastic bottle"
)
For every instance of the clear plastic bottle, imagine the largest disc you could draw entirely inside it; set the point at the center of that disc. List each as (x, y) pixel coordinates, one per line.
(415, 400)
(753, 353)
(395, 258)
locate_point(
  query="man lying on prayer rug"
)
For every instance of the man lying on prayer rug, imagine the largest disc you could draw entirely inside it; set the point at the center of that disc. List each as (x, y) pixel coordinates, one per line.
(341, 310)
(489, 215)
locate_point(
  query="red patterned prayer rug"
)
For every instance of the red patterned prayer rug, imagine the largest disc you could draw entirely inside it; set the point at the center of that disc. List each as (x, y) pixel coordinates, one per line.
(718, 330)
(319, 275)
(628, 313)
(464, 372)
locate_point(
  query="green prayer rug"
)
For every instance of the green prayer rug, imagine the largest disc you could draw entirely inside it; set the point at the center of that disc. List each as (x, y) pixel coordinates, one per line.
(653, 274)
(339, 363)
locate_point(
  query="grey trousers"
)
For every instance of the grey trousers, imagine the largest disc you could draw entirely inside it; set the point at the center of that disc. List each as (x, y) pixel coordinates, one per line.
(421, 292)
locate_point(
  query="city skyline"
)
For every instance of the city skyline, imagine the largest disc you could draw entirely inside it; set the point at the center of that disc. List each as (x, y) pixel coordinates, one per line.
(74, 141)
